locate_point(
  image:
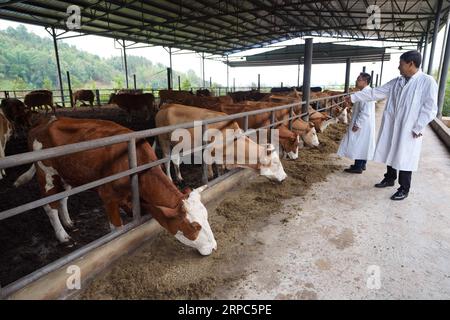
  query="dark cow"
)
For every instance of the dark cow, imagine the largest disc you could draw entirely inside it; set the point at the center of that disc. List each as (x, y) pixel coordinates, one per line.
(40, 98)
(83, 96)
(182, 214)
(203, 93)
(173, 96)
(134, 102)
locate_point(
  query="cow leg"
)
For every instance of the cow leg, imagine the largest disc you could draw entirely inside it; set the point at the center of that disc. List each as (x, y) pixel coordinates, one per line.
(111, 201)
(2, 155)
(176, 165)
(210, 172)
(64, 212)
(52, 214)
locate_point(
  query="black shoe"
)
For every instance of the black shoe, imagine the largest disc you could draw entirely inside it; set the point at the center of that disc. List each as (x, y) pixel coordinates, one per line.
(399, 195)
(385, 183)
(353, 170)
(364, 168)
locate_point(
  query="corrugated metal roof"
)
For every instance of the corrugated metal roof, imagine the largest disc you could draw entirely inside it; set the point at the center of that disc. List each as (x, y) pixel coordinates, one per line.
(229, 26)
(323, 53)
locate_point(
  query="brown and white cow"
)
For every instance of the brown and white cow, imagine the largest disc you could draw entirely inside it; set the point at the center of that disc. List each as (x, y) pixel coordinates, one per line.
(5, 134)
(83, 96)
(17, 113)
(183, 215)
(40, 98)
(134, 102)
(269, 165)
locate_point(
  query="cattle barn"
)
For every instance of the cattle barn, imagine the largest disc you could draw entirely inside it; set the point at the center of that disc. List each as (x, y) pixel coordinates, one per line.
(100, 192)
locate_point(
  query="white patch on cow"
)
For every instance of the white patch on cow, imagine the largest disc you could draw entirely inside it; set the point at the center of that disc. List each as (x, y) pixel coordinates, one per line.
(311, 138)
(25, 177)
(343, 117)
(196, 212)
(60, 233)
(63, 210)
(37, 145)
(49, 171)
(294, 155)
(275, 170)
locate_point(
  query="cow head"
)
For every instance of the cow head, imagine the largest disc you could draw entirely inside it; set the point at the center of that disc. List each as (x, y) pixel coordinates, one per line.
(191, 227)
(289, 141)
(270, 164)
(310, 137)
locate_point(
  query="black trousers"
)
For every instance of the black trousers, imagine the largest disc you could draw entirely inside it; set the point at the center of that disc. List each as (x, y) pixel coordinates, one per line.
(359, 164)
(404, 177)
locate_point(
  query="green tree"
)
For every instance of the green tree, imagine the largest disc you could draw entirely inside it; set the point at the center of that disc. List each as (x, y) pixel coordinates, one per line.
(186, 85)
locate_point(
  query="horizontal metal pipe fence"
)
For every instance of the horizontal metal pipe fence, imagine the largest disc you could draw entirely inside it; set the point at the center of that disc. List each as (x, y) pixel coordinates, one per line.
(130, 139)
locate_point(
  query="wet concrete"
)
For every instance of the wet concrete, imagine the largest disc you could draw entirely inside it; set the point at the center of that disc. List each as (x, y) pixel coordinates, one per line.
(350, 241)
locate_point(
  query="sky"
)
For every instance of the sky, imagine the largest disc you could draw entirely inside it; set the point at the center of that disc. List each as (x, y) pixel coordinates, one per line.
(321, 75)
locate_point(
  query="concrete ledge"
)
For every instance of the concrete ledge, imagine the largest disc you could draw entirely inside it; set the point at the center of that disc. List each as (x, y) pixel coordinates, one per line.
(442, 131)
(53, 284)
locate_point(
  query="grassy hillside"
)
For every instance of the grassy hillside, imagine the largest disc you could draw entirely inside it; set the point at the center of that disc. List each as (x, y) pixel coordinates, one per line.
(27, 61)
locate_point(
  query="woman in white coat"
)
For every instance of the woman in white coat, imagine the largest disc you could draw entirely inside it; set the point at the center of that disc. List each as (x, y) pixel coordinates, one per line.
(359, 141)
(411, 104)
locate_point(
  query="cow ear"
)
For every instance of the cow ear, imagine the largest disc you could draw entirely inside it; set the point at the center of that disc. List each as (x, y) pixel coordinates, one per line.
(168, 212)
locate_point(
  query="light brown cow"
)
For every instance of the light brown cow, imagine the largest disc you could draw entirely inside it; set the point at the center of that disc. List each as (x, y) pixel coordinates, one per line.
(40, 98)
(5, 134)
(183, 215)
(269, 165)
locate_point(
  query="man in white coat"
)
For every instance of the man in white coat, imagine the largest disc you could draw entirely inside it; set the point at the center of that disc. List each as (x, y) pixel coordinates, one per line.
(411, 104)
(359, 141)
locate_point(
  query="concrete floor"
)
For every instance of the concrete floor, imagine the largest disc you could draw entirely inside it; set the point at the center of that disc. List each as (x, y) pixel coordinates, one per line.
(347, 233)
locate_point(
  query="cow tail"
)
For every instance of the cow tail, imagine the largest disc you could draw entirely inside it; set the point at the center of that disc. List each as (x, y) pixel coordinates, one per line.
(26, 177)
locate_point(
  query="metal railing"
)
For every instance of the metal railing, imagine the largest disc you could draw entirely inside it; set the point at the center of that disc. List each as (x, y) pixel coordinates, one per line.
(102, 94)
(130, 139)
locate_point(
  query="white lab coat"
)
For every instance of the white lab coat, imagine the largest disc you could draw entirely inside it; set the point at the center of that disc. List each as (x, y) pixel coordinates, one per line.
(360, 144)
(410, 106)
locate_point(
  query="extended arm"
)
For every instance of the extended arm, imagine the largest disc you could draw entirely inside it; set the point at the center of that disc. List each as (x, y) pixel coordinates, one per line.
(373, 94)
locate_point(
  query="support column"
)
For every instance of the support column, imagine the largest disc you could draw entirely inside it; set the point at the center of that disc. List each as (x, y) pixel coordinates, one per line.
(228, 76)
(371, 79)
(170, 65)
(169, 79)
(382, 66)
(348, 64)
(259, 82)
(179, 83)
(364, 69)
(437, 21)
(376, 82)
(203, 69)
(125, 62)
(307, 76)
(443, 77)
(441, 60)
(425, 47)
(134, 81)
(70, 90)
(298, 75)
(58, 65)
